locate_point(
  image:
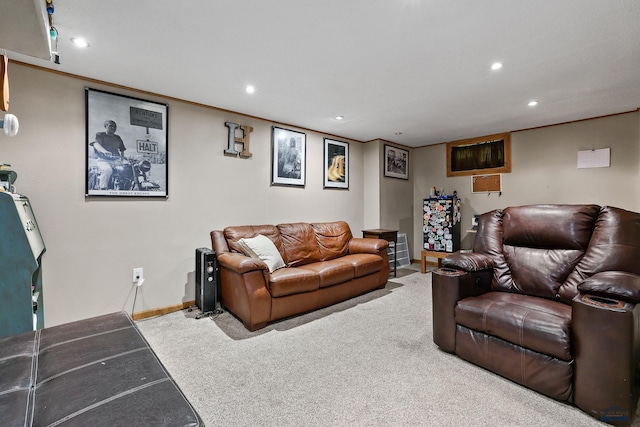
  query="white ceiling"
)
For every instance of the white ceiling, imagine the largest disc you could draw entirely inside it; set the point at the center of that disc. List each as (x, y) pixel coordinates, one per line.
(419, 67)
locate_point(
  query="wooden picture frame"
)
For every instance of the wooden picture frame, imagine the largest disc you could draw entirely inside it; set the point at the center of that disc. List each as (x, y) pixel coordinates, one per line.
(396, 162)
(336, 164)
(484, 155)
(288, 157)
(126, 146)
(491, 183)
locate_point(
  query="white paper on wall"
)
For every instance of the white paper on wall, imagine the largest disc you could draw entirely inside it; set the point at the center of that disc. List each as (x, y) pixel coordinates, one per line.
(594, 158)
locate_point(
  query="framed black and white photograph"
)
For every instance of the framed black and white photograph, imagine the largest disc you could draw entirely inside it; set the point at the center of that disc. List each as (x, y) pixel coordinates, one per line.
(126, 146)
(288, 157)
(336, 164)
(396, 162)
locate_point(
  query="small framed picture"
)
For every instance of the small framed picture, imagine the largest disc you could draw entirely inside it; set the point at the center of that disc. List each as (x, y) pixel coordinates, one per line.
(396, 162)
(126, 146)
(288, 157)
(336, 164)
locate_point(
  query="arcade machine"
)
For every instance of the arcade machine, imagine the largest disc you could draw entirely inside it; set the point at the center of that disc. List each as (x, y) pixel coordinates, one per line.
(21, 250)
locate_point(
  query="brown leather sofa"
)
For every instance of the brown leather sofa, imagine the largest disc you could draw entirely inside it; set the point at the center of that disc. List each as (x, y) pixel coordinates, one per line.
(324, 264)
(548, 298)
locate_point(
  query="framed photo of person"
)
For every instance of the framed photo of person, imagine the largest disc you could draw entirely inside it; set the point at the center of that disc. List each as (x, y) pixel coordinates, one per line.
(396, 162)
(336, 164)
(126, 146)
(288, 157)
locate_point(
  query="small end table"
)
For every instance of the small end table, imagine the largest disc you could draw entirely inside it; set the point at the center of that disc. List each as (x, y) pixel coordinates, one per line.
(431, 254)
(389, 236)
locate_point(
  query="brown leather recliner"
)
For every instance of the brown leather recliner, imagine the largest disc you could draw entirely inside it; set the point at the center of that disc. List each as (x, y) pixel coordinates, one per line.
(549, 299)
(324, 264)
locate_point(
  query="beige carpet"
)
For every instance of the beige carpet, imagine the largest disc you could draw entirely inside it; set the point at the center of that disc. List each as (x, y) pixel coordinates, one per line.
(369, 361)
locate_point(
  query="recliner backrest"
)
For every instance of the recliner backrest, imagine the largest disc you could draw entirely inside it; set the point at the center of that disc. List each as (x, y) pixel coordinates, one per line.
(536, 248)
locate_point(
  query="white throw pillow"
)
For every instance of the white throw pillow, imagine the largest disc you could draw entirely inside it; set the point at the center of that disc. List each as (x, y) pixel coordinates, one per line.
(262, 247)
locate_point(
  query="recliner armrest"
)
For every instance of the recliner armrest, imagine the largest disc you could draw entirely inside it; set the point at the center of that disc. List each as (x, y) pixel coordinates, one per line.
(604, 340)
(448, 287)
(468, 261)
(613, 284)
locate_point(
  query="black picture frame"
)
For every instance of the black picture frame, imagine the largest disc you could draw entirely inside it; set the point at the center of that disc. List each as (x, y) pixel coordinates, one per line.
(288, 157)
(396, 162)
(336, 164)
(141, 169)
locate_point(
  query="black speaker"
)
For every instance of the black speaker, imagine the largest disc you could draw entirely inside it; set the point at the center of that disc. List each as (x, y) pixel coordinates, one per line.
(206, 280)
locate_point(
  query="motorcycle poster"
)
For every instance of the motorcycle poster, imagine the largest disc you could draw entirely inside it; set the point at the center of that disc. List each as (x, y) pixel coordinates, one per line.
(126, 146)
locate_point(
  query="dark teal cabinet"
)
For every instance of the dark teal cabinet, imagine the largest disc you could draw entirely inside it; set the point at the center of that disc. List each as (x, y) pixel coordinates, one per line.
(21, 249)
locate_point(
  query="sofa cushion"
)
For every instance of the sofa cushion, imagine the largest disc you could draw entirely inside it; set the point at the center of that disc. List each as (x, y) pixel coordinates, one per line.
(288, 281)
(333, 239)
(299, 244)
(235, 233)
(363, 264)
(263, 248)
(535, 323)
(332, 272)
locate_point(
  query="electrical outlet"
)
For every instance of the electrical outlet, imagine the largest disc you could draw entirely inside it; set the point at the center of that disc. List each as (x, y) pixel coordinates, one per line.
(138, 275)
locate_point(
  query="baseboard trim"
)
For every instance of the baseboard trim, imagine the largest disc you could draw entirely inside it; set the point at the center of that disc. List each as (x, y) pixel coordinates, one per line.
(162, 310)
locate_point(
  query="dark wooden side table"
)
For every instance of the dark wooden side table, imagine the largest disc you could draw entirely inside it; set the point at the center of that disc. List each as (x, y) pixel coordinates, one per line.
(389, 236)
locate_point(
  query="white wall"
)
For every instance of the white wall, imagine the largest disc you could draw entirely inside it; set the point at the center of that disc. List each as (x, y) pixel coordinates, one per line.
(388, 202)
(371, 200)
(544, 170)
(93, 243)
(396, 198)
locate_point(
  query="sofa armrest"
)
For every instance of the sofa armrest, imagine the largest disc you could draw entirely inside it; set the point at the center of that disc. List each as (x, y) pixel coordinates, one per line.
(360, 245)
(613, 284)
(448, 287)
(244, 289)
(218, 242)
(468, 261)
(241, 263)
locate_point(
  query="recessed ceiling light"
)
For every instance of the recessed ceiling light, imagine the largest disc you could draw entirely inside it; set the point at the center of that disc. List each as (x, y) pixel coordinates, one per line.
(339, 117)
(79, 42)
(496, 66)
(532, 103)
(250, 89)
